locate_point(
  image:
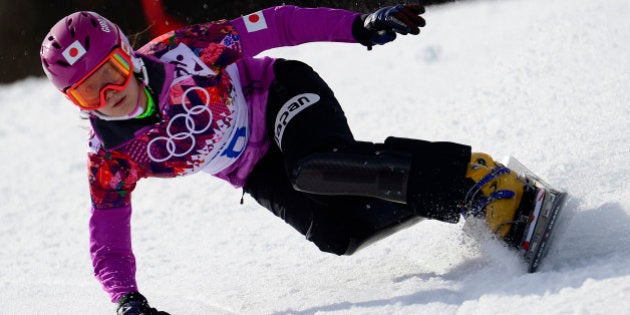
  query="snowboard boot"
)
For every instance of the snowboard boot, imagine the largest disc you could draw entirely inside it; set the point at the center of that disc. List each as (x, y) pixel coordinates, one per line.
(495, 196)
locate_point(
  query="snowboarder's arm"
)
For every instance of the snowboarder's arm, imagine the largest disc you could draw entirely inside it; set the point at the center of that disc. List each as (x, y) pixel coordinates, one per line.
(290, 25)
(110, 249)
(112, 178)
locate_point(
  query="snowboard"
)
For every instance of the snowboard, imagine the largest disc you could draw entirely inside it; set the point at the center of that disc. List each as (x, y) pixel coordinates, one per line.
(536, 218)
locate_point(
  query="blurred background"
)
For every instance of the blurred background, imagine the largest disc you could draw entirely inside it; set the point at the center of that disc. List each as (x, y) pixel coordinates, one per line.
(23, 24)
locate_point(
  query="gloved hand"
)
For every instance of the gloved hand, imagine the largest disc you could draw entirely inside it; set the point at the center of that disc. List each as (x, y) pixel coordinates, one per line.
(133, 303)
(381, 26)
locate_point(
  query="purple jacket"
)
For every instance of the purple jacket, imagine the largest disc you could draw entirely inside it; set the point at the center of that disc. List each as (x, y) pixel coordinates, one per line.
(213, 119)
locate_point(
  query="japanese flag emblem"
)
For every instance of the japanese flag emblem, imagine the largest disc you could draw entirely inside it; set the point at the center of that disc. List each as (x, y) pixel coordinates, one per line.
(255, 22)
(74, 52)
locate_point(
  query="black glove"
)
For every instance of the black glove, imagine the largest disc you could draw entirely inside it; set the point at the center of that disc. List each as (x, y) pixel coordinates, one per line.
(133, 303)
(381, 26)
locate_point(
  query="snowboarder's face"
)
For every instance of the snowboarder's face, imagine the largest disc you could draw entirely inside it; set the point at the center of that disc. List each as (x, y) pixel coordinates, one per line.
(119, 103)
(114, 72)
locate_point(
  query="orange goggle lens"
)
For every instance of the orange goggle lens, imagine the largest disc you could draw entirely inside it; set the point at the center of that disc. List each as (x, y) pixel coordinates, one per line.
(114, 72)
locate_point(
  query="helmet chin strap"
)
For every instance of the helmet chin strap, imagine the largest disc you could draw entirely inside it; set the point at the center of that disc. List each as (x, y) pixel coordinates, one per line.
(140, 71)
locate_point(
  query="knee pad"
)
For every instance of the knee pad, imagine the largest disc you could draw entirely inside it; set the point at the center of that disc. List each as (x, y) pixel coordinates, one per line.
(382, 175)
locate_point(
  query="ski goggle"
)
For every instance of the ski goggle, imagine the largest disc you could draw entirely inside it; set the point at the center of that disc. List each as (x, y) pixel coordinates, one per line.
(112, 73)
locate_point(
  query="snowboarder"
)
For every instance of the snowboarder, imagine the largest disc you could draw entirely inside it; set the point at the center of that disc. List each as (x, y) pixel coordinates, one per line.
(197, 99)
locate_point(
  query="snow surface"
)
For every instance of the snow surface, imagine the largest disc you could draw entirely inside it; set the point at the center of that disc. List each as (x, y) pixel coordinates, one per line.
(545, 81)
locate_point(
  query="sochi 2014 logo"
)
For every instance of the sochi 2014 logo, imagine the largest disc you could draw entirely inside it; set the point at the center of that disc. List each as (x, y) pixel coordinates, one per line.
(181, 131)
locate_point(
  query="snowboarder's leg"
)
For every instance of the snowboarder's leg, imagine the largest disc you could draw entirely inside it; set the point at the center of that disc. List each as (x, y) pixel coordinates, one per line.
(428, 176)
(305, 118)
(432, 178)
(310, 129)
(336, 224)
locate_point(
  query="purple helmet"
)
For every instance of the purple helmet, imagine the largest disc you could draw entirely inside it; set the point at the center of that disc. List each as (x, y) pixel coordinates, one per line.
(76, 44)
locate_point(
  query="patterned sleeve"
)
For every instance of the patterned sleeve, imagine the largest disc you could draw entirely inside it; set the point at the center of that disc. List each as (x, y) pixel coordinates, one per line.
(112, 177)
(216, 43)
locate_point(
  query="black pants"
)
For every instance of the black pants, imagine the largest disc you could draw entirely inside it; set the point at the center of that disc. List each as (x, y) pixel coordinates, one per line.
(304, 117)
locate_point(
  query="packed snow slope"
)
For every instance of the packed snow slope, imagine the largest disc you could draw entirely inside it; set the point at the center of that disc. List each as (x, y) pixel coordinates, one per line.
(544, 81)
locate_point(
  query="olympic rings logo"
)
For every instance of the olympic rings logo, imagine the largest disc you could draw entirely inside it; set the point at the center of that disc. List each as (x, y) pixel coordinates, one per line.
(181, 141)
